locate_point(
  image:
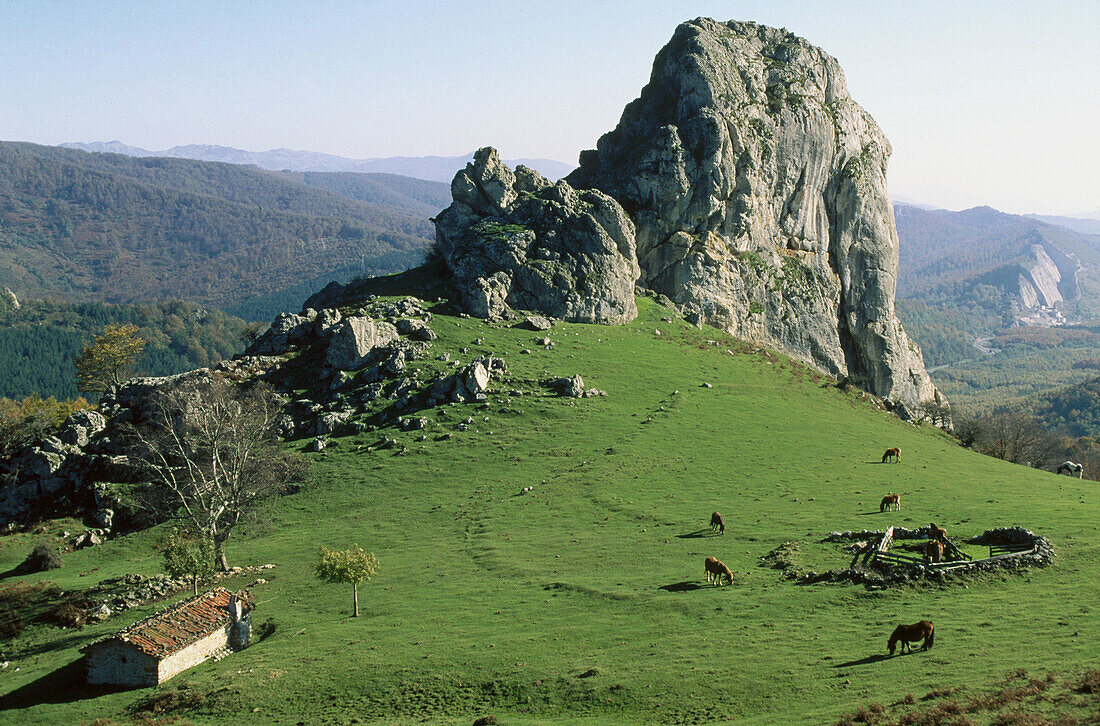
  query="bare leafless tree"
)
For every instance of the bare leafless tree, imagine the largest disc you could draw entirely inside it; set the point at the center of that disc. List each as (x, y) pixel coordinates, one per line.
(1013, 436)
(938, 413)
(209, 451)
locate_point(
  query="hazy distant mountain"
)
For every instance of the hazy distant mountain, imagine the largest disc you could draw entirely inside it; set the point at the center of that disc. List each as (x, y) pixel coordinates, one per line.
(431, 168)
(1084, 225)
(109, 147)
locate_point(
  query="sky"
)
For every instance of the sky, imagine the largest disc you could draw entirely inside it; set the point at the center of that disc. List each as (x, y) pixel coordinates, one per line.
(992, 102)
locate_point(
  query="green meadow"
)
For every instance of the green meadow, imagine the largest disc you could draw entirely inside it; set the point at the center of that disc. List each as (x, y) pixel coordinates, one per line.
(583, 600)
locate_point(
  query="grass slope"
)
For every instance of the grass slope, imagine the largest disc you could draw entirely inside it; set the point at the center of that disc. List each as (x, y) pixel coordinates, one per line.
(494, 601)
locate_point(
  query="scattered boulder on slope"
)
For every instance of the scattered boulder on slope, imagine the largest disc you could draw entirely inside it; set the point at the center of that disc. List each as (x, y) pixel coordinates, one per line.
(353, 340)
(286, 329)
(570, 387)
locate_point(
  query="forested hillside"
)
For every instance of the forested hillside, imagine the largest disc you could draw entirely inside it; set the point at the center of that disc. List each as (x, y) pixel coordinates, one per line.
(959, 275)
(107, 227)
(39, 340)
(1074, 410)
(415, 196)
(944, 255)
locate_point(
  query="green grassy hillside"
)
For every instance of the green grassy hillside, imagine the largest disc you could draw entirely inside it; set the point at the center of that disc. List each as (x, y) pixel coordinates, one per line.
(582, 601)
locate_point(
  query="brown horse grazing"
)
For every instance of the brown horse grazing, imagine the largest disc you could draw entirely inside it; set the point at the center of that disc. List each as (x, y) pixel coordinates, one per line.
(933, 550)
(716, 523)
(910, 634)
(894, 452)
(890, 501)
(717, 570)
(935, 532)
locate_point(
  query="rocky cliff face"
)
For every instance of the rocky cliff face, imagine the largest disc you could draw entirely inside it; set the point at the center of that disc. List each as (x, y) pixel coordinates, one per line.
(758, 190)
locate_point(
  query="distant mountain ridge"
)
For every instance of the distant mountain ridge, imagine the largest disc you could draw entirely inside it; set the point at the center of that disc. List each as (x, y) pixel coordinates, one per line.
(430, 168)
(1083, 225)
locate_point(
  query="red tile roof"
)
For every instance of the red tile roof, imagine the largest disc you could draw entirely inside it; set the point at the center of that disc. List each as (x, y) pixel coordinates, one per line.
(174, 628)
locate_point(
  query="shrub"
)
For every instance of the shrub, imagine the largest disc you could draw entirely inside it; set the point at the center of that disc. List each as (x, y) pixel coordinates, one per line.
(1090, 682)
(1019, 718)
(43, 557)
(19, 604)
(170, 699)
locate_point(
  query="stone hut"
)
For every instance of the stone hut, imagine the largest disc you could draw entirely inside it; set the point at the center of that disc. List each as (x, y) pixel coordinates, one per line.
(210, 625)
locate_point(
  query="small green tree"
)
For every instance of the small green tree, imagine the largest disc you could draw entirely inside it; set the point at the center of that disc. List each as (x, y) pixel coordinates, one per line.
(107, 360)
(352, 567)
(189, 555)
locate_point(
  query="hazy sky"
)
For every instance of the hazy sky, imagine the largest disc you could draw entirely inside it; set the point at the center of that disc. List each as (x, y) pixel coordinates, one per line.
(984, 102)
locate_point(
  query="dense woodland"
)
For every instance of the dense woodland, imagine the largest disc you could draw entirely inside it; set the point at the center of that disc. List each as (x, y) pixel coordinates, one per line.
(39, 340)
(81, 226)
(1074, 409)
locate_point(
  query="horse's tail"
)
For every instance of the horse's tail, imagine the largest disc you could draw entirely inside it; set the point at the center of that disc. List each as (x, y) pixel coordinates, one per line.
(931, 636)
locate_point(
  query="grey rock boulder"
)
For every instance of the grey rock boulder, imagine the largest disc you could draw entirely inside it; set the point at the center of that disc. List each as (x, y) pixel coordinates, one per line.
(286, 330)
(537, 322)
(570, 387)
(104, 518)
(353, 339)
(327, 319)
(516, 241)
(329, 423)
(416, 329)
(80, 427)
(90, 538)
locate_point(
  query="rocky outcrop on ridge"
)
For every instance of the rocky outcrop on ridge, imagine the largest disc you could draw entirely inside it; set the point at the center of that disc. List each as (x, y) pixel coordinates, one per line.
(514, 240)
(758, 190)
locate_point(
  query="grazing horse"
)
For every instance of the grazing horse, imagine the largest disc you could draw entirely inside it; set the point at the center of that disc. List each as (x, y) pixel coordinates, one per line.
(894, 452)
(933, 550)
(910, 634)
(717, 570)
(1071, 468)
(935, 532)
(890, 501)
(716, 523)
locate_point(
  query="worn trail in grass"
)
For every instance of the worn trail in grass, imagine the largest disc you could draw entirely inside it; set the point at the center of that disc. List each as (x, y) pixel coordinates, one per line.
(491, 600)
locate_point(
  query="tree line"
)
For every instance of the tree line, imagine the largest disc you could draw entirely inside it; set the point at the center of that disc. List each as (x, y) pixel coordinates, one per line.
(38, 339)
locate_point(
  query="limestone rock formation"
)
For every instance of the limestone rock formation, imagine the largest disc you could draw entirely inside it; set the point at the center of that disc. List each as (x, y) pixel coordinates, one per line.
(758, 190)
(515, 240)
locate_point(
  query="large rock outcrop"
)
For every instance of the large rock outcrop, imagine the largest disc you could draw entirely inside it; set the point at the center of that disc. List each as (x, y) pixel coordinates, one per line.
(515, 240)
(758, 190)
